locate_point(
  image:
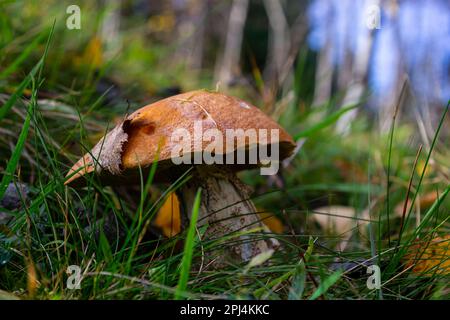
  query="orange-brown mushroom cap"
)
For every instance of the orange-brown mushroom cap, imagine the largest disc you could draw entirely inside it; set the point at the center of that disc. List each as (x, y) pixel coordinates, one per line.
(145, 135)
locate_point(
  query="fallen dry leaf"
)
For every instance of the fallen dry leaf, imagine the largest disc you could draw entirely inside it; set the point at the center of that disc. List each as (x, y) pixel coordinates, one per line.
(92, 55)
(168, 216)
(350, 171)
(340, 221)
(335, 220)
(429, 257)
(271, 221)
(420, 168)
(32, 281)
(425, 202)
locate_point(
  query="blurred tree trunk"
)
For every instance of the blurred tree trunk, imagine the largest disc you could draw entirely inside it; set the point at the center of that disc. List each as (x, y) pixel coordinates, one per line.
(191, 32)
(228, 65)
(324, 76)
(391, 102)
(357, 84)
(111, 38)
(279, 41)
(298, 32)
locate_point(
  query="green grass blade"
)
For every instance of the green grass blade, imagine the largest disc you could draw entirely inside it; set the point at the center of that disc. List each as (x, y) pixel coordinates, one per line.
(37, 68)
(299, 279)
(14, 160)
(22, 57)
(13, 98)
(427, 160)
(332, 118)
(188, 249)
(433, 209)
(326, 284)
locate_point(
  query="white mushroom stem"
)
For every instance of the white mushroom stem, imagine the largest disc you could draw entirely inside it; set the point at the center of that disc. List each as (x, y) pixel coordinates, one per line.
(227, 210)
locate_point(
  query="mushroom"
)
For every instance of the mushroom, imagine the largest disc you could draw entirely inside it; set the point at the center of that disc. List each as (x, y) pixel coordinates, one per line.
(213, 135)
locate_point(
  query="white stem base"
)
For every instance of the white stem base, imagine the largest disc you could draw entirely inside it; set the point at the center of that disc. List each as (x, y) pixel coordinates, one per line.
(227, 210)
